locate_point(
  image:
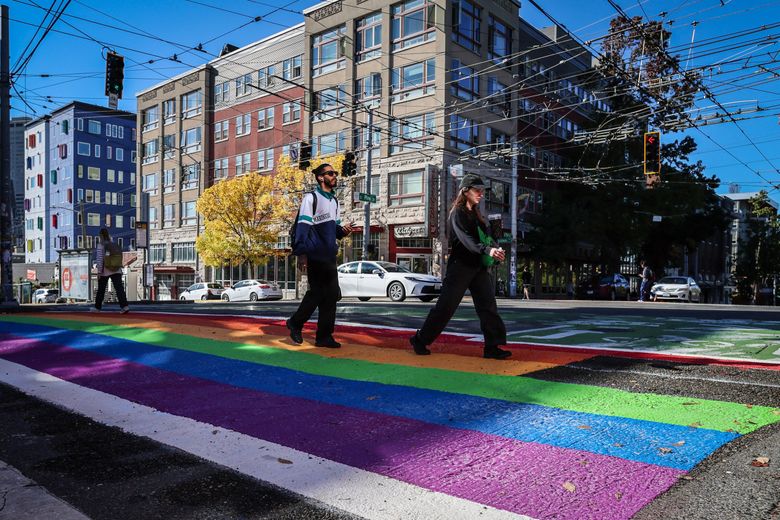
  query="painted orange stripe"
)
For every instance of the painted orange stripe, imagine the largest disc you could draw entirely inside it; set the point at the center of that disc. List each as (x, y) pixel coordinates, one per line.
(353, 346)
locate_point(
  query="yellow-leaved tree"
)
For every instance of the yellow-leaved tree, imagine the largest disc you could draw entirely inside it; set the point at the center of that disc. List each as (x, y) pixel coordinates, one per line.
(244, 216)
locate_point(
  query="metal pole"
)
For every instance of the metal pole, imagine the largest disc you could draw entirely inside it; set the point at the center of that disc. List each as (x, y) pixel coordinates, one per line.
(513, 218)
(7, 299)
(367, 207)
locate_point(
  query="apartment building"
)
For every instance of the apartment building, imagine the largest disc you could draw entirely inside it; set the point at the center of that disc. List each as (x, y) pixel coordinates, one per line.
(174, 152)
(81, 177)
(17, 180)
(436, 76)
(258, 98)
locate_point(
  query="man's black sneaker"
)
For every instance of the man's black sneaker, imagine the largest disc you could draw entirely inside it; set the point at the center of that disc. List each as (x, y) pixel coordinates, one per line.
(496, 353)
(327, 343)
(419, 349)
(295, 334)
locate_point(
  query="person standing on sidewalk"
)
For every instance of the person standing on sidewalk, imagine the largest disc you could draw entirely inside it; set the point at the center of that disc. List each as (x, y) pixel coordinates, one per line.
(647, 278)
(466, 270)
(525, 276)
(317, 229)
(108, 256)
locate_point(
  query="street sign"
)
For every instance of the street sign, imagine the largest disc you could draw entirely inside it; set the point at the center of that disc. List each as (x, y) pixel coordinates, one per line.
(113, 100)
(366, 197)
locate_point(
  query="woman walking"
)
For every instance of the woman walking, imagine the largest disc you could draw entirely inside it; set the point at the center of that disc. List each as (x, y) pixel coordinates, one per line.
(466, 269)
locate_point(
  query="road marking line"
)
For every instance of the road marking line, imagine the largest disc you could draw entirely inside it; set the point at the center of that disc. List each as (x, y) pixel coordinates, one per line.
(346, 488)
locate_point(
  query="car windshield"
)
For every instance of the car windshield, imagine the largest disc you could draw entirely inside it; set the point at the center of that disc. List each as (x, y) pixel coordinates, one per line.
(678, 280)
(393, 268)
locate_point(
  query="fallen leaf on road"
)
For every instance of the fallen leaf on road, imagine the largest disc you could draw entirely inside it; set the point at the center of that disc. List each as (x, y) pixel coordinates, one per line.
(679, 443)
(749, 406)
(686, 477)
(760, 462)
(665, 450)
(618, 445)
(568, 486)
(776, 412)
(695, 425)
(284, 461)
(691, 403)
(618, 496)
(583, 427)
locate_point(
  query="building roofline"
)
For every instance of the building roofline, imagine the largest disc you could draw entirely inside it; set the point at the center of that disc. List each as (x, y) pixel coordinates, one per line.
(172, 79)
(749, 195)
(95, 108)
(37, 120)
(268, 40)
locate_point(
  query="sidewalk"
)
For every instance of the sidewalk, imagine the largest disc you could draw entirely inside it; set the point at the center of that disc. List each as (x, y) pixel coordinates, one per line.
(23, 499)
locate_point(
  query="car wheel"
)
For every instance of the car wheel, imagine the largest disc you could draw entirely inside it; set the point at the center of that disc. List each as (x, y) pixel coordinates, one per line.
(225, 298)
(427, 299)
(363, 298)
(396, 292)
(183, 299)
(253, 297)
(612, 295)
(204, 297)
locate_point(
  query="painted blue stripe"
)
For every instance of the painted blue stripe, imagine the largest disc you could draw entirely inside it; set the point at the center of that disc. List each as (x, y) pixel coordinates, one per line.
(631, 439)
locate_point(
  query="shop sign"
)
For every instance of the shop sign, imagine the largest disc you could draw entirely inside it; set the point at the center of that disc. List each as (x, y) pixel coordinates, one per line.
(416, 231)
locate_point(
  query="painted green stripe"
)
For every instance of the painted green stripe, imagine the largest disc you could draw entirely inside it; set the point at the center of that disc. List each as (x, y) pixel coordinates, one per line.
(705, 413)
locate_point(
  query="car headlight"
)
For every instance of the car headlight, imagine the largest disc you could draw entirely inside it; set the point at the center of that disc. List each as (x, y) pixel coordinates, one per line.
(415, 279)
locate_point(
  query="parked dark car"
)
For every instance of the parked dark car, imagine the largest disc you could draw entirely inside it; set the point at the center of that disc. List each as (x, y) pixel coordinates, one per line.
(605, 287)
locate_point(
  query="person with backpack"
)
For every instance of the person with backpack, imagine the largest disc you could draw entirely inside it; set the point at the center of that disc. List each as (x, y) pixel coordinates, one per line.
(316, 229)
(470, 255)
(108, 256)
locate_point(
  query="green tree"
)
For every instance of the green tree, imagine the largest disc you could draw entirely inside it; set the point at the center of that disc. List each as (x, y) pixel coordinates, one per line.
(759, 252)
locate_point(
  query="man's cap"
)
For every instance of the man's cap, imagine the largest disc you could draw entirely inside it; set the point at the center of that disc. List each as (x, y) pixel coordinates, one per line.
(471, 180)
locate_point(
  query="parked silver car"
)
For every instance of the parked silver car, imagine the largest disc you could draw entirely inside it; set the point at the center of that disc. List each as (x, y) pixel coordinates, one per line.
(676, 288)
(252, 290)
(202, 291)
(45, 295)
(367, 280)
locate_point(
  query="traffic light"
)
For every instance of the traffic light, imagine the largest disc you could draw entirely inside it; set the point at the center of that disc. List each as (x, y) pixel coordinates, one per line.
(349, 166)
(115, 74)
(652, 153)
(304, 158)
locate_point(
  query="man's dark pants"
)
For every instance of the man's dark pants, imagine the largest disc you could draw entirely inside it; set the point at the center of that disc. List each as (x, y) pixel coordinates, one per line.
(119, 287)
(323, 294)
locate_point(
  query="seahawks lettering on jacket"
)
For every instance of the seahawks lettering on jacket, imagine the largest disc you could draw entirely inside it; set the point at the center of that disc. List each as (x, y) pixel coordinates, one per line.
(316, 234)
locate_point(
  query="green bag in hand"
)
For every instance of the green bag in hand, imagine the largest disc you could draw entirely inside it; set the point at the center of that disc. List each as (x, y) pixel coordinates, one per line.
(486, 239)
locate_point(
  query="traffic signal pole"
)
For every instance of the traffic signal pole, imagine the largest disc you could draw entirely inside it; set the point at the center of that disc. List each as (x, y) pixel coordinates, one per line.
(367, 207)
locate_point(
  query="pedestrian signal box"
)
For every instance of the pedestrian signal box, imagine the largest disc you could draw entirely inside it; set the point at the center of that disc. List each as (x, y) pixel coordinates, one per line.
(652, 153)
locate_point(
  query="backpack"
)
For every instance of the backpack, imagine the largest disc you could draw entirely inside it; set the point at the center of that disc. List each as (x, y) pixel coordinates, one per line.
(112, 256)
(298, 214)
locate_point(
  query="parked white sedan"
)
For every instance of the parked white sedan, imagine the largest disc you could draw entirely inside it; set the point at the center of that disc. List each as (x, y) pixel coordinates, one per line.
(677, 288)
(252, 290)
(366, 280)
(202, 291)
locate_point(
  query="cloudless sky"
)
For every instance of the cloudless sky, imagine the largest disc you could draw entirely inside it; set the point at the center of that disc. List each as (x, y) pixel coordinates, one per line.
(166, 27)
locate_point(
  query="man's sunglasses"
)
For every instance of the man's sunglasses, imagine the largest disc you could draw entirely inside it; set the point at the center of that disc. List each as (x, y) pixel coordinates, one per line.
(332, 173)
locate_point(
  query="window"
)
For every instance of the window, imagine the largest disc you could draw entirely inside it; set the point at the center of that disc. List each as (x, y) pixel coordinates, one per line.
(292, 67)
(79, 125)
(500, 100)
(242, 163)
(97, 151)
(150, 118)
(90, 196)
(265, 159)
(191, 104)
(329, 144)
(93, 219)
(243, 84)
(184, 252)
(369, 89)
(406, 188)
(109, 152)
(83, 149)
(221, 92)
(221, 130)
(79, 195)
(119, 154)
(110, 176)
(120, 177)
(169, 114)
(156, 253)
(368, 37)
(169, 180)
(329, 103)
(120, 131)
(291, 112)
(63, 149)
(153, 217)
(497, 196)
(499, 142)
(243, 125)
(265, 76)
(188, 215)
(360, 187)
(499, 40)
(291, 150)
(464, 82)
(191, 139)
(413, 81)
(464, 133)
(150, 151)
(93, 127)
(150, 183)
(119, 222)
(265, 118)
(466, 24)
(412, 132)
(65, 126)
(53, 176)
(414, 22)
(93, 173)
(190, 175)
(108, 220)
(169, 215)
(360, 139)
(132, 156)
(327, 53)
(220, 168)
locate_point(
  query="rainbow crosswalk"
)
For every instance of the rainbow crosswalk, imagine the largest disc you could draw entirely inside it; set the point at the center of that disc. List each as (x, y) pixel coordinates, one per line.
(482, 431)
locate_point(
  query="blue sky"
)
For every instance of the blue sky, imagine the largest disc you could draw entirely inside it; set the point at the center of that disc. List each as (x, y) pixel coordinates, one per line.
(164, 28)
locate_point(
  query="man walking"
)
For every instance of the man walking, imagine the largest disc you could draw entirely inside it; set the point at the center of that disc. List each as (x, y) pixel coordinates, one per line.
(647, 277)
(317, 229)
(109, 266)
(525, 277)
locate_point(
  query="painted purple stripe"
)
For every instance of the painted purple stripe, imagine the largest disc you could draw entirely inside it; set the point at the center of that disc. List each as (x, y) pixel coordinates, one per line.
(525, 478)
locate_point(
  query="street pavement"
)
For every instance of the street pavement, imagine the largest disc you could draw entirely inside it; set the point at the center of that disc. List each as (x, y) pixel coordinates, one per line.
(207, 410)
